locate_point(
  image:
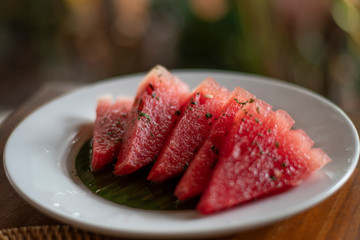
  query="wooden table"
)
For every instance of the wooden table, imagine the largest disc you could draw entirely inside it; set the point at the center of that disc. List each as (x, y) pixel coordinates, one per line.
(338, 217)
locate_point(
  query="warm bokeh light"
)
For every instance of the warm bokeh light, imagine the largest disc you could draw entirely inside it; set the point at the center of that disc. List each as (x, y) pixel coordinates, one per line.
(315, 44)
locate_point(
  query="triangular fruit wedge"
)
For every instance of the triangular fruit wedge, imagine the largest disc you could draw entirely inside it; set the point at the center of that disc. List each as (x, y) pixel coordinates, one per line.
(198, 114)
(197, 176)
(156, 107)
(109, 129)
(260, 156)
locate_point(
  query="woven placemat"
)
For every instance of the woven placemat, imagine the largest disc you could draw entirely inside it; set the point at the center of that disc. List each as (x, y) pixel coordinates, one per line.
(58, 232)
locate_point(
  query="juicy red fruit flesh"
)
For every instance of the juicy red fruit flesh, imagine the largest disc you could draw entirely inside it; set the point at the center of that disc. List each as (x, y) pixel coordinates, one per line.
(261, 155)
(199, 113)
(160, 95)
(109, 130)
(198, 174)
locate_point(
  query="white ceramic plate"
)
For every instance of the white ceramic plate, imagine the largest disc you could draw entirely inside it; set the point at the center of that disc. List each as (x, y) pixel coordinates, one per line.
(39, 161)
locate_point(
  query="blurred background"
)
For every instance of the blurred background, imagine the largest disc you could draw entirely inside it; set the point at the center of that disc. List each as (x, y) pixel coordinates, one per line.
(313, 43)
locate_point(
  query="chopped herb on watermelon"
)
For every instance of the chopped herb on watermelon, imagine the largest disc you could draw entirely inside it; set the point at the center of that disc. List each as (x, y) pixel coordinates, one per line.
(212, 165)
(145, 115)
(241, 103)
(151, 86)
(215, 149)
(208, 115)
(272, 177)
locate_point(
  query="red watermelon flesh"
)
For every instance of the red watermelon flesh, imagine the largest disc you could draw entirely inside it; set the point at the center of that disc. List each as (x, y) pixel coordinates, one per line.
(198, 114)
(196, 177)
(156, 106)
(260, 156)
(109, 129)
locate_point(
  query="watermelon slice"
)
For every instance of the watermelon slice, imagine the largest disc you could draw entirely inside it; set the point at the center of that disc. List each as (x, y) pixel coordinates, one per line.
(196, 177)
(198, 114)
(156, 106)
(109, 129)
(260, 156)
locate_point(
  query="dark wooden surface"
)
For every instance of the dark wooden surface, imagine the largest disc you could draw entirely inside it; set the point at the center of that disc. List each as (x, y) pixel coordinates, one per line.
(338, 217)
